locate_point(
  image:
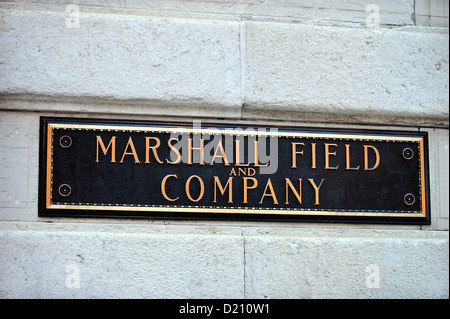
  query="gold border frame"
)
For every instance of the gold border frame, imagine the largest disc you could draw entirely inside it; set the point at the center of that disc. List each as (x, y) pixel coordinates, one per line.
(261, 211)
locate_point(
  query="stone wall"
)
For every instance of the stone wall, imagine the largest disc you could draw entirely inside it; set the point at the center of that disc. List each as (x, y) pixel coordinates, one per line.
(321, 63)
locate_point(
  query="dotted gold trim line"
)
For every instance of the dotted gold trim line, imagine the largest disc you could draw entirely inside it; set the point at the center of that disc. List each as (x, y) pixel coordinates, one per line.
(329, 136)
(234, 208)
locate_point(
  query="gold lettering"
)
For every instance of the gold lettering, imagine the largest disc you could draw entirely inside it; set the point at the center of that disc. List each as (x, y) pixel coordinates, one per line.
(188, 191)
(246, 187)
(175, 150)
(257, 156)
(327, 156)
(112, 144)
(191, 149)
(289, 184)
(223, 189)
(243, 171)
(163, 188)
(222, 151)
(316, 189)
(133, 151)
(366, 158)
(272, 193)
(347, 159)
(238, 155)
(153, 148)
(313, 155)
(295, 152)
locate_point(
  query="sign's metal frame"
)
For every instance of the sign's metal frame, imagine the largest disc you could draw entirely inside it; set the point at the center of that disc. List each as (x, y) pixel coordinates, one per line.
(49, 209)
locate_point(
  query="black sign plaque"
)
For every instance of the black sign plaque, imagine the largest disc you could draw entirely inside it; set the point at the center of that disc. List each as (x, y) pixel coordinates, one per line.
(146, 169)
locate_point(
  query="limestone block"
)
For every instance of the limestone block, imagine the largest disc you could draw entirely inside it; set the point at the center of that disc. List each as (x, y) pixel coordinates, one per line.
(439, 177)
(41, 260)
(332, 263)
(147, 260)
(300, 68)
(19, 165)
(120, 57)
(391, 13)
(431, 12)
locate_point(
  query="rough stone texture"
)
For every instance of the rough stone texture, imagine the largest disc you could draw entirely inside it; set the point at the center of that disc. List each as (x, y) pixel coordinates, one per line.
(258, 61)
(120, 57)
(19, 165)
(119, 261)
(37, 260)
(338, 264)
(439, 181)
(431, 12)
(132, 62)
(303, 68)
(391, 13)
